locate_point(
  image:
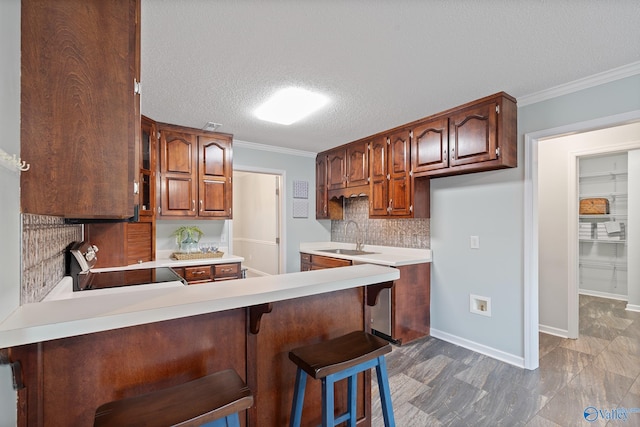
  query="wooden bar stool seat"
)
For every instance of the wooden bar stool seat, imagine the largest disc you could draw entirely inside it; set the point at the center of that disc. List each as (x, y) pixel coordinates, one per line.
(216, 398)
(337, 359)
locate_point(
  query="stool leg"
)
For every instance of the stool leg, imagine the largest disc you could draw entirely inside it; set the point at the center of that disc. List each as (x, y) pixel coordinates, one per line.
(327, 402)
(352, 393)
(298, 399)
(385, 393)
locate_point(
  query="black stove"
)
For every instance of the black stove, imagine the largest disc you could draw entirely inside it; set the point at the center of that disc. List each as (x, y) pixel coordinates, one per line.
(121, 278)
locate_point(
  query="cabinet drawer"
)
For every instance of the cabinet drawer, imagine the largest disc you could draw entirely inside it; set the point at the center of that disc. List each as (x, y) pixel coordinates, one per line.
(319, 262)
(226, 271)
(198, 274)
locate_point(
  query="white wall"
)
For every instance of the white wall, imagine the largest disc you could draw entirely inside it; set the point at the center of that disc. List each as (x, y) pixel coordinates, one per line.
(298, 166)
(633, 231)
(490, 205)
(9, 186)
(554, 156)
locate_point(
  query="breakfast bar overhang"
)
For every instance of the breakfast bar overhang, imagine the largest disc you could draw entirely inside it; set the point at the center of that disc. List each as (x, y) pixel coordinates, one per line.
(76, 354)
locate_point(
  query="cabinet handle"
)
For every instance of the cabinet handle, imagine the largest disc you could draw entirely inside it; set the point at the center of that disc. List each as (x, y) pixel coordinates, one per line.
(200, 205)
(193, 205)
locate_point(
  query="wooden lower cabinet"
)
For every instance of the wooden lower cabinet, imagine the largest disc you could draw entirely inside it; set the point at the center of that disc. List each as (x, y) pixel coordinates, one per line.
(67, 379)
(209, 272)
(411, 303)
(319, 262)
(410, 297)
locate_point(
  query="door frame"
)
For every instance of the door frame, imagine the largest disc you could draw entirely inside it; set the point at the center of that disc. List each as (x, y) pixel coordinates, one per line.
(281, 232)
(531, 265)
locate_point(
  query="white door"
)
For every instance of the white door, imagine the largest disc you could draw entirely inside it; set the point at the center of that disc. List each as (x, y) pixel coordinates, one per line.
(256, 230)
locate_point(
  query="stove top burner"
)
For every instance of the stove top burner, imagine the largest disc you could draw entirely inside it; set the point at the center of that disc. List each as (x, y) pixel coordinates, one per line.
(120, 278)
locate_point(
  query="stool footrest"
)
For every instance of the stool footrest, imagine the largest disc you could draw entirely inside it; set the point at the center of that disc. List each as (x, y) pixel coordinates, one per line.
(192, 403)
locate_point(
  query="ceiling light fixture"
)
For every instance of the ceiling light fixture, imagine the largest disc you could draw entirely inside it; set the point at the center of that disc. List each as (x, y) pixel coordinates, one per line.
(211, 126)
(290, 105)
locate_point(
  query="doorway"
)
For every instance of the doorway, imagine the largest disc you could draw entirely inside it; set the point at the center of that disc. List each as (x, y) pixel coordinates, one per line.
(256, 229)
(568, 300)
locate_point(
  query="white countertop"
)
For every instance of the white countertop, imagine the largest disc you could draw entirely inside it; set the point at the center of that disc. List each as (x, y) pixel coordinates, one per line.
(384, 255)
(163, 259)
(47, 320)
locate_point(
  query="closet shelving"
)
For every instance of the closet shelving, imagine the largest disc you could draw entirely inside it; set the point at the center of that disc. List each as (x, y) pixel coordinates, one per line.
(603, 260)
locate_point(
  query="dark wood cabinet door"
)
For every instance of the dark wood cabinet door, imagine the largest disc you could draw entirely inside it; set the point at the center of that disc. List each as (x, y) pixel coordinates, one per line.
(139, 246)
(214, 176)
(358, 163)
(178, 173)
(430, 145)
(79, 112)
(399, 178)
(322, 208)
(147, 166)
(473, 136)
(378, 198)
(336, 169)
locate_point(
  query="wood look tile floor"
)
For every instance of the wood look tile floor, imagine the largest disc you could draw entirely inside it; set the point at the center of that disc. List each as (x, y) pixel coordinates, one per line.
(435, 383)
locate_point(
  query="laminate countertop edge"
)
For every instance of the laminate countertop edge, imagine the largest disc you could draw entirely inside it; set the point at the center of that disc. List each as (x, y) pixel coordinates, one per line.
(48, 320)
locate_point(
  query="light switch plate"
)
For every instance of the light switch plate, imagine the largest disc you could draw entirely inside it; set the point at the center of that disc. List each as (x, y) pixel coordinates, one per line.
(474, 242)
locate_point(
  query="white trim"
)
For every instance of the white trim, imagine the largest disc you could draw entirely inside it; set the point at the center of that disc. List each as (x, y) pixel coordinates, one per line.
(273, 149)
(256, 241)
(599, 294)
(509, 358)
(531, 327)
(580, 84)
(633, 307)
(562, 333)
(573, 302)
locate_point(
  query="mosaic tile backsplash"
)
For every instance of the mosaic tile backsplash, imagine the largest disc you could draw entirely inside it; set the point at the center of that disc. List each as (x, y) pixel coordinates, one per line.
(44, 241)
(404, 233)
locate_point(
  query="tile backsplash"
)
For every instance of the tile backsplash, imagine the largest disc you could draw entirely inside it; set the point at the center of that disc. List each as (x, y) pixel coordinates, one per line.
(397, 232)
(44, 241)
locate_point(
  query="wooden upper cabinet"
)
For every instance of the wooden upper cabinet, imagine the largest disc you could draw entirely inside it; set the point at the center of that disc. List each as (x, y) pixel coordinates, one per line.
(475, 137)
(357, 163)
(178, 173)
(147, 167)
(214, 169)
(378, 192)
(430, 145)
(399, 169)
(195, 173)
(336, 169)
(79, 111)
(322, 208)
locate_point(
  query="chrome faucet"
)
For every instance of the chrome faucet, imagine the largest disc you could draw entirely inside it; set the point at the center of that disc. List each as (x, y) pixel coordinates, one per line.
(359, 237)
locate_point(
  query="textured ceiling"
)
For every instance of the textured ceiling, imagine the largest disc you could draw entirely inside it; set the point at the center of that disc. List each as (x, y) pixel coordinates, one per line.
(382, 63)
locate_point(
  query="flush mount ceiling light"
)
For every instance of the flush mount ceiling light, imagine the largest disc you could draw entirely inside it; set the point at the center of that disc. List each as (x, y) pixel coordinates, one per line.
(211, 126)
(290, 105)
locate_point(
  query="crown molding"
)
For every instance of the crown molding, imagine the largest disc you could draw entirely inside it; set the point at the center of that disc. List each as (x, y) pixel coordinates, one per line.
(273, 149)
(580, 84)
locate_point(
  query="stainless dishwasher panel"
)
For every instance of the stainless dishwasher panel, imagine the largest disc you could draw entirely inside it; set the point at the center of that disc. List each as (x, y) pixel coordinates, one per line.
(381, 313)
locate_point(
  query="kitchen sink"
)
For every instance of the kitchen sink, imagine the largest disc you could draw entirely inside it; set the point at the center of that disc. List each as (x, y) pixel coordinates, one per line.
(347, 252)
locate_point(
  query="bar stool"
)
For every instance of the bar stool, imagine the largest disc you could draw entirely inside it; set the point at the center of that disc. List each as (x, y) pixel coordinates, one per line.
(215, 399)
(337, 359)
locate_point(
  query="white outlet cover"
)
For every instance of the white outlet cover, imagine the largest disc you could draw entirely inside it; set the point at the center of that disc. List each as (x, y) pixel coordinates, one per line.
(474, 242)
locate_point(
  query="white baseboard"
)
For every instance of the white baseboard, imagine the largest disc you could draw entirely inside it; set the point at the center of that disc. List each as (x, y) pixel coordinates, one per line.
(603, 294)
(509, 358)
(562, 333)
(633, 307)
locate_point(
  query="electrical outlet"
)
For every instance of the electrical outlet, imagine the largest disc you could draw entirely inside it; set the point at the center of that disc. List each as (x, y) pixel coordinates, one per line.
(474, 242)
(480, 305)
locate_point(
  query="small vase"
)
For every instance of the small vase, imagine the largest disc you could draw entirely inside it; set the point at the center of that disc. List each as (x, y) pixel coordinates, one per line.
(189, 245)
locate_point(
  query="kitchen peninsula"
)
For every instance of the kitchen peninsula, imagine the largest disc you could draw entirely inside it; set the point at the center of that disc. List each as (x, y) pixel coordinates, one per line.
(76, 354)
